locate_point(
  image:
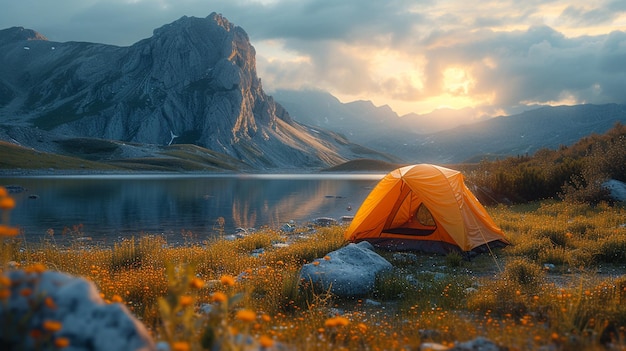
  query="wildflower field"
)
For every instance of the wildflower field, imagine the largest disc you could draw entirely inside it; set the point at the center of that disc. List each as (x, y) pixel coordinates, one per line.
(561, 285)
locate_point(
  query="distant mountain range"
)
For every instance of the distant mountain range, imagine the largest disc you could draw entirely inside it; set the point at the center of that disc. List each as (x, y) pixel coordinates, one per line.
(194, 82)
(442, 136)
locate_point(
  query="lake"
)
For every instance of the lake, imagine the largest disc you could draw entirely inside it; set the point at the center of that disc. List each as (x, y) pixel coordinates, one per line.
(104, 209)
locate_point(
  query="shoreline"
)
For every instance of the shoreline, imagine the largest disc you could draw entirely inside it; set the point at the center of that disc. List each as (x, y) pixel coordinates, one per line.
(27, 173)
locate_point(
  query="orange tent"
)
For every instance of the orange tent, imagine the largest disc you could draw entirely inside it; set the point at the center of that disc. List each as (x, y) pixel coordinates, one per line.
(425, 208)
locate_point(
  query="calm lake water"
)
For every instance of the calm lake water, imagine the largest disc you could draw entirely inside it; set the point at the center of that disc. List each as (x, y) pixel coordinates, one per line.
(104, 209)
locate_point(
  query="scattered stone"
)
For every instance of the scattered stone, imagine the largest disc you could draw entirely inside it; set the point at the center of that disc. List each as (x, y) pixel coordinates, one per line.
(241, 232)
(324, 221)
(433, 346)
(548, 266)
(14, 189)
(347, 272)
(346, 219)
(85, 319)
(371, 302)
(616, 189)
(469, 291)
(288, 228)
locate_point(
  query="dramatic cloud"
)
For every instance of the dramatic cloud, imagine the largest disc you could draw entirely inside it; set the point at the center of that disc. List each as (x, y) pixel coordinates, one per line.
(412, 55)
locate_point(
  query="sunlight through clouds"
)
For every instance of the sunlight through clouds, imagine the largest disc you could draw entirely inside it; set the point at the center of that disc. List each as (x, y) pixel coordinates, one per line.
(497, 55)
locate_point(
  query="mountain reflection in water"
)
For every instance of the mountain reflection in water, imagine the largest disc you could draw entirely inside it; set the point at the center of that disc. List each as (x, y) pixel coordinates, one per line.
(107, 208)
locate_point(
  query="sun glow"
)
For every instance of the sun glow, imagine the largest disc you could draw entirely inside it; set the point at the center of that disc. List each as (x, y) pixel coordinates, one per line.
(565, 98)
(400, 67)
(457, 81)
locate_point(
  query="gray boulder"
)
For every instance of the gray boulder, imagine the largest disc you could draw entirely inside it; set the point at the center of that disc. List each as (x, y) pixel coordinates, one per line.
(86, 320)
(347, 272)
(616, 189)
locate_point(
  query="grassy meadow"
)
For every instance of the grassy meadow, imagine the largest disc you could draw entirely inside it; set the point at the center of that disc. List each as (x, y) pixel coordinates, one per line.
(561, 284)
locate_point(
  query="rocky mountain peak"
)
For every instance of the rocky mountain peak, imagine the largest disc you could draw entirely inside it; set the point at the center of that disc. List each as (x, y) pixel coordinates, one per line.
(19, 33)
(194, 81)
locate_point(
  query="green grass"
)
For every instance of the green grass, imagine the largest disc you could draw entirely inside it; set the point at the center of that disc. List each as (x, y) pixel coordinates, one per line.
(17, 157)
(512, 299)
(97, 155)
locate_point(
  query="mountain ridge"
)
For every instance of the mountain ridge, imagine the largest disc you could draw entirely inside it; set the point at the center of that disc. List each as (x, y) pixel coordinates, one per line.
(193, 82)
(494, 137)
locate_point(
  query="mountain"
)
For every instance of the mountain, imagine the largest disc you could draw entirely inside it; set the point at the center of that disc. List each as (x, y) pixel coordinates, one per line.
(360, 120)
(524, 133)
(451, 136)
(193, 82)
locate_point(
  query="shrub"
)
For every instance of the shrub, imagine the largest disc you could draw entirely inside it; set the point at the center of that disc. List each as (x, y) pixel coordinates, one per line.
(612, 249)
(501, 298)
(529, 248)
(555, 255)
(528, 275)
(454, 259)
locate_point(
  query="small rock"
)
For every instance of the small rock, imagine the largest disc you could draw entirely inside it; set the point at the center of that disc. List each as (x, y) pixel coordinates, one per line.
(433, 346)
(324, 221)
(371, 302)
(470, 291)
(548, 266)
(617, 189)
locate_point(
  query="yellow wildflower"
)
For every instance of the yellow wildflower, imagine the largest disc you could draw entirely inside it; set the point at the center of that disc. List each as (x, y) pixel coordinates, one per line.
(336, 322)
(218, 296)
(180, 346)
(246, 316)
(5, 281)
(61, 342)
(5, 230)
(196, 283)
(49, 302)
(186, 300)
(7, 203)
(227, 280)
(266, 341)
(52, 326)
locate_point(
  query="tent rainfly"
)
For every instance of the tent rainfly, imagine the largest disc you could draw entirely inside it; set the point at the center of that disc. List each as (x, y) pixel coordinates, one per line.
(424, 208)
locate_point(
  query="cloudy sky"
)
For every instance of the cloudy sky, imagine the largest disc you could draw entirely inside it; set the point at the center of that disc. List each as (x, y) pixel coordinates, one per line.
(413, 55)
